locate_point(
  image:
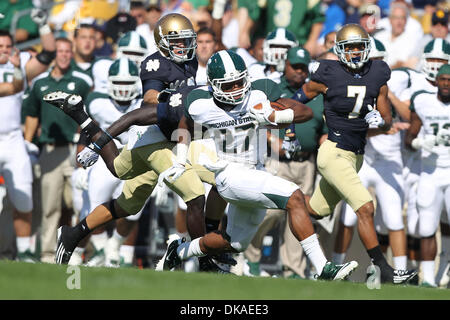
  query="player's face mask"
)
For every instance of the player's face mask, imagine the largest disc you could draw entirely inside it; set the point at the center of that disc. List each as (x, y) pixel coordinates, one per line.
(231, 90)
(355, 54)
(431, 67)
(181, 47)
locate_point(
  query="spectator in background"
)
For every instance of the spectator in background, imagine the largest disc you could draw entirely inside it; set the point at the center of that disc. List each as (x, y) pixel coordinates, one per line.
(118, 25)
(84, 43)
(25, 29)
(296, 16)
(230, 25)
(206, 46)
(400, 42)
(14, 160)
(138, 12)
(370, 14)
(103, 48)
(153, 13)
(58, 132)
(439, 29)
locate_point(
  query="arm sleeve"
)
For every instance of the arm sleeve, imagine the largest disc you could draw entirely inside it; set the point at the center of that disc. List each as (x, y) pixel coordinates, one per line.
(154, 84)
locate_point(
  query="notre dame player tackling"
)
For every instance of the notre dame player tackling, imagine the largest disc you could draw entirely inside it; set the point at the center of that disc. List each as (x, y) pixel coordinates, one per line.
(355, 99)
(174, 63)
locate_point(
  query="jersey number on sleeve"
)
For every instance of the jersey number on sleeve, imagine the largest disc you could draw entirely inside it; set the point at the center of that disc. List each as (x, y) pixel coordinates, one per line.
(359, 92)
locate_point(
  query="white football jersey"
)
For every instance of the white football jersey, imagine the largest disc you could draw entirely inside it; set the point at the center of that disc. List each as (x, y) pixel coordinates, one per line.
(258, 71)
(105, 111)
(434, 115)
(234, 132)
(11, 106)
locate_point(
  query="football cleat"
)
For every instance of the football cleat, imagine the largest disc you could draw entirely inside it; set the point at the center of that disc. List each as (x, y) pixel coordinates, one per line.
(170, 259)
(26, 256)
(206, 264)
(337, 272)
(71, 104)
(405, 277)
(63, 254)
(97, 260)
(224, 258)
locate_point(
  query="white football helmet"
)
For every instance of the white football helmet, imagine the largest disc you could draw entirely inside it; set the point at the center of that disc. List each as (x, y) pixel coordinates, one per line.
(224, 69)
(435, 49)
(276, 45)
(132, 46)
(123, 80)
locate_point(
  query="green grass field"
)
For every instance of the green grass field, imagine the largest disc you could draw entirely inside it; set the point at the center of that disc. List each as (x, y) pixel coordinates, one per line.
(43, 281)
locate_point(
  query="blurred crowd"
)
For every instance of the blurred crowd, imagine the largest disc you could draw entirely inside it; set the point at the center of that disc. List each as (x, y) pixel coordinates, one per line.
(73, 43)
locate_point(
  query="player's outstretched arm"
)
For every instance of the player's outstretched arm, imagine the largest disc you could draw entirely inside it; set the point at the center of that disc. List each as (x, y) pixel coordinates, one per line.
(144, 116)
(302, 112)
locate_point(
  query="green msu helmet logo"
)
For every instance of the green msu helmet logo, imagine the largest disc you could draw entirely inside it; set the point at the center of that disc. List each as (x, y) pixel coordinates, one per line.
(228, 77)
(123, 80)
(132, 46)
(377, 49)
(435, 54)
(276, 45)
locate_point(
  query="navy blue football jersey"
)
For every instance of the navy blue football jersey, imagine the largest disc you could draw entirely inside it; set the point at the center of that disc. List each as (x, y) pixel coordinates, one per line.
(170, 113)
(158, 72)
(347, 98)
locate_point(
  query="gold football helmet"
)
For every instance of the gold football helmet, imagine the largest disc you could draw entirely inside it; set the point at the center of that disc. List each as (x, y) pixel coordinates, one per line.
(175, 37)
(352, 45)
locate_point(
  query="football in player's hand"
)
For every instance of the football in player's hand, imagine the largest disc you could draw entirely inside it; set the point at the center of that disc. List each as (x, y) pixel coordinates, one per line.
(277, 107)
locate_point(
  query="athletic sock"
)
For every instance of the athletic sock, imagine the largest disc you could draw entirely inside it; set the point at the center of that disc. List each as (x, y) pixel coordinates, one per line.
(75, 234)
(23, 244)
(314, 252)
(378, 259)
(338, 258)
(127, 253)
(190, 249)
(400, 262)
(428, 272)
(99, 240)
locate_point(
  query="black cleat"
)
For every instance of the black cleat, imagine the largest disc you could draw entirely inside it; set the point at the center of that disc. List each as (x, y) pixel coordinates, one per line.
(63, 254)
(405, 277)
(170, 259)
(71, 104)
(206, 264)
(224, 258)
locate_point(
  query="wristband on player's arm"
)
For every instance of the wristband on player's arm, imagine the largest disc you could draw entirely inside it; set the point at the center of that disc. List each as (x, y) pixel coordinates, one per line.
(98, 145)
(46, 57)
(300, 96)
